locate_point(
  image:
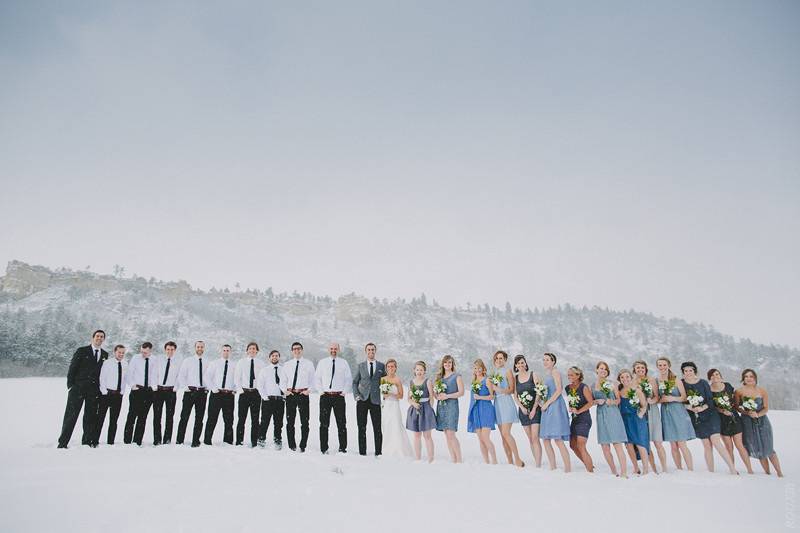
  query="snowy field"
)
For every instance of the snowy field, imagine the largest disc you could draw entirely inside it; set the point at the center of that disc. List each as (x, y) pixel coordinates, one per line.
(235, 489)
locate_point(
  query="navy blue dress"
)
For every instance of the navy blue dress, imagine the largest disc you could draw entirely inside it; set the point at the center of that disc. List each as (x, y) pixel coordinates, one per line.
(706, 423)
(581, 423)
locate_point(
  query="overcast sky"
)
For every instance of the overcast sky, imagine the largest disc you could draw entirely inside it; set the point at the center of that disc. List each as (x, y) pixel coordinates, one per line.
(620, 154)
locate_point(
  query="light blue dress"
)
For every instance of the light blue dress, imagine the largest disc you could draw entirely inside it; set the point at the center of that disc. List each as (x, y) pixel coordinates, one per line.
(675, 421)
(447, 410)
(505, 410)
(610, 428)
(555, 420)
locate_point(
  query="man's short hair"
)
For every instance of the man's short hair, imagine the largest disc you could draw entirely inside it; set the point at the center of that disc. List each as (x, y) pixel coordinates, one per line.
(170, 343)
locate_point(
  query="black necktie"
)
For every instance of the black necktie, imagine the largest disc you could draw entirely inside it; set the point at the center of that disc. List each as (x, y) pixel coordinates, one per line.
(225, 374)
(371, 370)
(252, 371)
(333, 371)
(296, 368)
(277, 377)
(166, 372)
(96, 356)
(200, 367)
(146, 370)
(119, 376)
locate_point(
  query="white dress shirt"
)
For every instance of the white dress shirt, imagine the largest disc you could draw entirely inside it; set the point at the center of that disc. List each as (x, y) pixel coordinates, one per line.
(243, 372)
(97, 351)
(342, 378)
(304, 369)
(168, 379)
(136, 372)
(190, 375)
(109, 375)
(216, 376)
(266, 382)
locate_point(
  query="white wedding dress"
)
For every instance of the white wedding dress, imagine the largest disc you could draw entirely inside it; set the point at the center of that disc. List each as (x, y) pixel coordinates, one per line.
(395, 437)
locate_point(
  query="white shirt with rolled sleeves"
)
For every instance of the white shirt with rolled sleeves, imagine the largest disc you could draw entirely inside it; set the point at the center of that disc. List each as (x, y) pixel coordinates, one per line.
(342, 378)
(306, 378)
(136, 372)
(243, 371)
(109, 375)
(174, 370)
(189, 375)
(265, 381)
(216, 373)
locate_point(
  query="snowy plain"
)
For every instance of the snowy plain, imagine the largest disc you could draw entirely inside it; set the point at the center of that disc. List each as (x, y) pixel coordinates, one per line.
(237, 489)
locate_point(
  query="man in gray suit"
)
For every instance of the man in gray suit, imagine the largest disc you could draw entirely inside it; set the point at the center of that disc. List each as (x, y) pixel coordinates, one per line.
(366, 389)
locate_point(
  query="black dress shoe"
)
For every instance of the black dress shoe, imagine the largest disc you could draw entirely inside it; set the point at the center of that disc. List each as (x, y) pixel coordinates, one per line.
(62, 446)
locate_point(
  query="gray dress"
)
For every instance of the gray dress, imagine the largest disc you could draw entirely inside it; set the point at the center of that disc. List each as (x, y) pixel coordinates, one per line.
(422, 419)
(758, 434)
(610, 427)
(528, 386)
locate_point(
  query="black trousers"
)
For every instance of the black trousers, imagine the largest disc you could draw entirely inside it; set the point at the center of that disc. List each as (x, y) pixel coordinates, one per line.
(109, 402)
(220, 402)
(139, 402)
(248, 401)
(271, 408)
(295, 402)
(192, 400)
(86, 396)
(328, 403)
(163, 398)
(363, 408)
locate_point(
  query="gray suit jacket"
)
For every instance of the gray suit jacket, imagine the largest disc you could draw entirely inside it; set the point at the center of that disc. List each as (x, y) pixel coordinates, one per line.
(367, 389)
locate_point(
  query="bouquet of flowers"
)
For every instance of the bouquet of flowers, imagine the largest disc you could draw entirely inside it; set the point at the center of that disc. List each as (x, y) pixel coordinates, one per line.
(439, 387)
(415, 393)
(749, 404)
(723, 401)
(694, 398)
(496, 379)
(633, 398)
(665, 387)
(541, 391)
(525, 399)
(647, 389)
(573, 399)
(607, 387)
(476, 386)
(385, 386)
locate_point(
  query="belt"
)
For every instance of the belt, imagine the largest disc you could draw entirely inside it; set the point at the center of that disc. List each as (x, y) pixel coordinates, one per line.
(249, 390)
(113, 391)
(161, 388)
(332, 393)
(197, 389)
(275, 398)
(294, 391)
(142, 388)
(224, 391)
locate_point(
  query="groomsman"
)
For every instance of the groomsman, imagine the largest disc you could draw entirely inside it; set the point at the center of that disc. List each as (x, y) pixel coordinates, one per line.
(333, 380)
(272, 400)
(194, 397)
(83, 378)
(168, 368)
(112, 385)
(366, 389)
(143, 380)
(247, 370)
(300, 380)
(222, 382)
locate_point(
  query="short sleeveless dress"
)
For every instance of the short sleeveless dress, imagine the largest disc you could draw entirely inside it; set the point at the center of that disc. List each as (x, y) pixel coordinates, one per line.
(758, 434)
(422, 418)
(447, 410)
(610, 427)
(729, 425)
(654, 421)
(481, 412)
(528, 386)
(675, 421)
(555, 420)
(707, 422)
(635, 427)
(581, 423)
(505, 410)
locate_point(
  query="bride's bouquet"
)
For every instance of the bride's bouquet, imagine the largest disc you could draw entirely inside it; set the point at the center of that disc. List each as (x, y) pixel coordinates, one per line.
(525, 399)
(385, 386)
(573, 399)
(415, 393)
(496, 379)
(607, 387)
(694, 398)
(665, 387)
(647, 389)
(440, 387)
(633, 398)
(723, 401)
(541, 391)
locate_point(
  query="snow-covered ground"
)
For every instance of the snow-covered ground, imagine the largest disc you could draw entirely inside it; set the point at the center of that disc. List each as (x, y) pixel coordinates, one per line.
(176, 488)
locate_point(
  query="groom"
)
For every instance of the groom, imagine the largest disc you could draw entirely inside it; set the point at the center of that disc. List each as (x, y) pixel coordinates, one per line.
(366, 389)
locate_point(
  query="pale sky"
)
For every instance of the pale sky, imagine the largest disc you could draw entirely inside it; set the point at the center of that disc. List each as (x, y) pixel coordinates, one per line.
(620, 154)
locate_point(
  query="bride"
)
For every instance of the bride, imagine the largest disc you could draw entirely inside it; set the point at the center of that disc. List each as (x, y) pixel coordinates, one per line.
(395, 438)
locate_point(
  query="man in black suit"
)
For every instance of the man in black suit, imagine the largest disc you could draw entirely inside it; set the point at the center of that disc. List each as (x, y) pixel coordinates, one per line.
(83, 382)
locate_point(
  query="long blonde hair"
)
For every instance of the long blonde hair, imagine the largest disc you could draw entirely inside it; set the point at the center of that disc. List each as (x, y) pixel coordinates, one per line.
(440, 370)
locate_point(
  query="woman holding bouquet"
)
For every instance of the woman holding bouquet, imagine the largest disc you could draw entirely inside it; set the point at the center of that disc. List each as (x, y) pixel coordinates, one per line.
(580, 397)
(505, 410)
(610, 428)
(700, 404)
(447, 404)
(650, 389)
(555, 420)
(395, 437)
(730, 421)
(675, 421)
(530, 416)
(481, 411)
(633, 407)
(420, 418)
(753, 403)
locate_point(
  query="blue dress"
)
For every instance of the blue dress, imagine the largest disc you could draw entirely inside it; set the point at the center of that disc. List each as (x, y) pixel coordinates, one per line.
(481, 412)
(706, 423)
(635, 427)
(758, 434)
(422, 418)
(581, 423)
(555, 420)
(675, 421)
(610, 428)
(505, 410)
(447, 410)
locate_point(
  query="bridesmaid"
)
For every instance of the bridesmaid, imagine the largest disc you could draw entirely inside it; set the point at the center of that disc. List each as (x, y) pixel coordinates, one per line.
(447, 405)
(610, 428)
(756, 425)
(730, 421)
(704, 417)
(635, 421)
(675, 420)
(653, 414)
(529, 418)
(504, 408)
(581, 418)
(420, 418)
(481, 411)
(555, 420)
